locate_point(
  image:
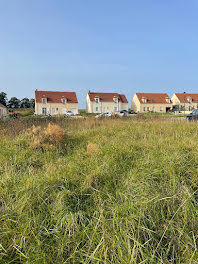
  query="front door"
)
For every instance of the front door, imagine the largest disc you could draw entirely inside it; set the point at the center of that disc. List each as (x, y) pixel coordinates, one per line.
(168, 109)
(44, 111)
(53, 111)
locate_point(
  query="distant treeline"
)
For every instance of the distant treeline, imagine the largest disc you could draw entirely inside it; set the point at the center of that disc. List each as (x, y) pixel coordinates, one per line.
(14, 102)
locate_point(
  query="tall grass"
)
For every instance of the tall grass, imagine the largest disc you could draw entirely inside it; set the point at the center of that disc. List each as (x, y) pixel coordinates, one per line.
(111, 191)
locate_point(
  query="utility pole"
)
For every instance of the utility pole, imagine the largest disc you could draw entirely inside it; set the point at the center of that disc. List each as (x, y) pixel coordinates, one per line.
(184, 101)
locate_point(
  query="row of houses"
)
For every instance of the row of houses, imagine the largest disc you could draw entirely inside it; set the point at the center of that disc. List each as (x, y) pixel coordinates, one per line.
(57, 103)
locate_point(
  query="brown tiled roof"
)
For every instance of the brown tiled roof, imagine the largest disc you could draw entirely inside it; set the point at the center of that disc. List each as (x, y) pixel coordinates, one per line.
(1, 105)
(153, 98)
(55, 97)
(107, 97)
(181, 96)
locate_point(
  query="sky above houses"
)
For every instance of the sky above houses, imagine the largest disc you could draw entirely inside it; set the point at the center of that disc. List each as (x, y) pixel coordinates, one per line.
(122, 46)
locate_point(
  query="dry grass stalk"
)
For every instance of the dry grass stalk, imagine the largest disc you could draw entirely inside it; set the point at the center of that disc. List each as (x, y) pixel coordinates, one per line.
(92, 149)
(48, 138)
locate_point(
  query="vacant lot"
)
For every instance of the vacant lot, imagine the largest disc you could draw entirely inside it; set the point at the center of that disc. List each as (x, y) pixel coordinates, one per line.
(98, 191)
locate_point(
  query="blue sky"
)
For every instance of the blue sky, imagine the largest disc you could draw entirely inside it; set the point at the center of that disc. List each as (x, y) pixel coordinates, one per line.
(122, 46)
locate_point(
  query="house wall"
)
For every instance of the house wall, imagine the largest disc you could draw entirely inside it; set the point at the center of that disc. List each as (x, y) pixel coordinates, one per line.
(88, 104)
(161, 108)
(135, 104)
(180, 105)
(101, 107)
(144, 107)
(60, 108)
(175, 100)
(3, 112)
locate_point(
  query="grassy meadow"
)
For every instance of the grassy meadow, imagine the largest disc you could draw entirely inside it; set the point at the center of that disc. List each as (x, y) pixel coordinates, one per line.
(98, 191)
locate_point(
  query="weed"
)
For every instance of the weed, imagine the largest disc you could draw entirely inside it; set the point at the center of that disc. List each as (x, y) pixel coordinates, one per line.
(125, 192)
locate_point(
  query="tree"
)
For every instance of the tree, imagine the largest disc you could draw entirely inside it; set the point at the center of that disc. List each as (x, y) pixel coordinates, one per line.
(25, 103)
(3, 98)
(32, 103)
(14, 103)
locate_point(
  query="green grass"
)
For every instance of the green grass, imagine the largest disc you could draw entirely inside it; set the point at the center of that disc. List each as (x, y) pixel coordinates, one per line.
(168, 114)
(129, 198)
(24, 112)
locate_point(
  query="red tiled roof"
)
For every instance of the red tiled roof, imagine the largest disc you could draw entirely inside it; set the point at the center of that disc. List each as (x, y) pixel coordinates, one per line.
(55, 97)
(1, 105)
(153, 98)
(181, 96)
(107, 97)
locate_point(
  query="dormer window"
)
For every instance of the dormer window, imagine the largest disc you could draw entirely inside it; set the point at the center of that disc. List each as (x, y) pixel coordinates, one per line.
(144, 100)
(115, 100)
(189, 99)
(168, 100)
(64, 100)
(97, 100)
(44, 100)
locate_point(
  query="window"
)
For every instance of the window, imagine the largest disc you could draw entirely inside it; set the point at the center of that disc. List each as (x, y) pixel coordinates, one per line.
(148, 108)
(44, 111)
(97, 100)
(115, 109)
(161, 109)
(144, 109)
(144, 100)
(168, 100)
(96, 109)
(64, 101)
(44, 100)
(153, 108)
(57, 109)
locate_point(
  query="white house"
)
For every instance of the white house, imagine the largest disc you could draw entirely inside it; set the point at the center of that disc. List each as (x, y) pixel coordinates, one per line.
(151, 102)
(105, 102)
(55, 103)
(189, 100)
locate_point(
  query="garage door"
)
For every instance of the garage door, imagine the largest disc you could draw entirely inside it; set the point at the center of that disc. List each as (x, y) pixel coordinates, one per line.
(74, 110)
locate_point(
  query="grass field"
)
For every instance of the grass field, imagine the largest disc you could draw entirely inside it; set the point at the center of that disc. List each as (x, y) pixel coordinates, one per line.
(98, 191)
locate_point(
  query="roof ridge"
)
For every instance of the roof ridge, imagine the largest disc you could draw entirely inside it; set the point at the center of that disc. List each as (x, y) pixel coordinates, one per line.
(104, 93)
(54, 91)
